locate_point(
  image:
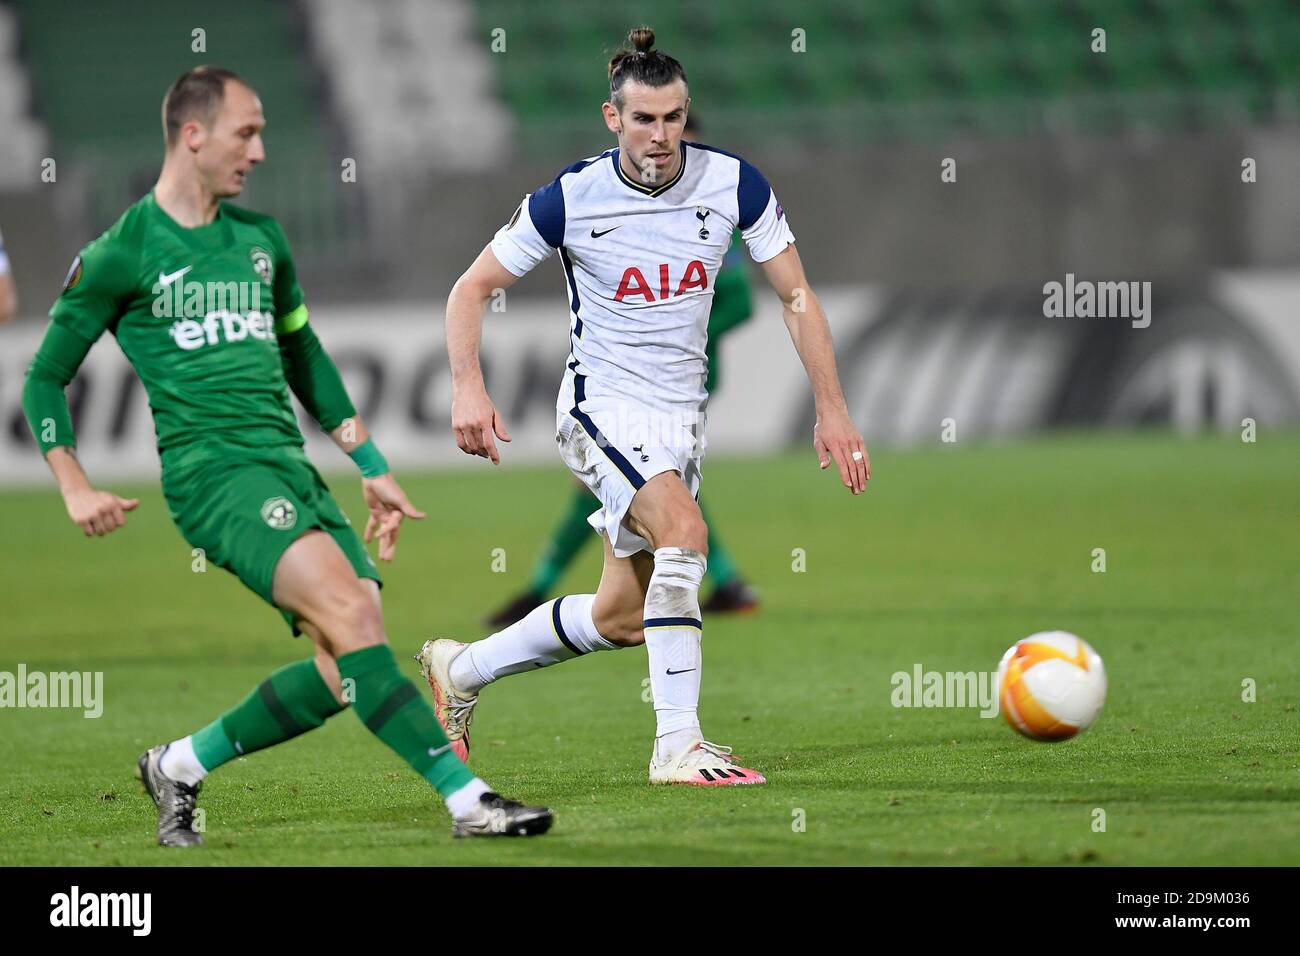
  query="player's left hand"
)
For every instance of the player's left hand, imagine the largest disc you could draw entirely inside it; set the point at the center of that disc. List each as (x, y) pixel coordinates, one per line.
(835, 437)
(388, 505)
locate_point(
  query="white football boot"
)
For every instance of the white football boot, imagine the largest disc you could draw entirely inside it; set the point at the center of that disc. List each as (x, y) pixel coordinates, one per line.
(703, 764)
(453, 711)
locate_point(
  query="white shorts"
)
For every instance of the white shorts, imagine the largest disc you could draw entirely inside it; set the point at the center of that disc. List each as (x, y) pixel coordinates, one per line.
(610, 448)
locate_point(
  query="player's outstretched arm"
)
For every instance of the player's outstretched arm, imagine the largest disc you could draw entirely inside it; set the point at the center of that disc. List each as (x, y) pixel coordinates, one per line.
(46, 407)
(385, 499)
(475, 421)
(834, 436)
(95, 512)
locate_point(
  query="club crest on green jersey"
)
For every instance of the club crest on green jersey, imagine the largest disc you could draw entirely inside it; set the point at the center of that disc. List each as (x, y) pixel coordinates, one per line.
(279, 513)
(262, 264)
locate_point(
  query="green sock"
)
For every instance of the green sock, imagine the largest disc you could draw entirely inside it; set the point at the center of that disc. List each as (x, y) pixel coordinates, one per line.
(292, 701)
(393, 710)
(566, 541)
(721, 568)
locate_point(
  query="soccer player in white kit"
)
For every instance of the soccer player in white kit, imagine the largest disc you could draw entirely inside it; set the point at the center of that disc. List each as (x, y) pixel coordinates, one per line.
(641, 231)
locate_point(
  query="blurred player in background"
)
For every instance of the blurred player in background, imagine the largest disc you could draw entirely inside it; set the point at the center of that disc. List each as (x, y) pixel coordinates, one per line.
(641, 231)
(8, 294)
(732, 307)
(173, 280)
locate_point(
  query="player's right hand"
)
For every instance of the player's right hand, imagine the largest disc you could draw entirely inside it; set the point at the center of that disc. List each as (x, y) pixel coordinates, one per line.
(475, 422)
(98, 512)
(836, 439)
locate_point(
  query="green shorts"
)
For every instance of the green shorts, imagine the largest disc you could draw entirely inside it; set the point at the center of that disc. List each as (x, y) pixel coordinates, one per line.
(245, 509)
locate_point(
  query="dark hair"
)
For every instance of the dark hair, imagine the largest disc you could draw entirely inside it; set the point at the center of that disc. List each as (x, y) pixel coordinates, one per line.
(641, 64)
(195, 95)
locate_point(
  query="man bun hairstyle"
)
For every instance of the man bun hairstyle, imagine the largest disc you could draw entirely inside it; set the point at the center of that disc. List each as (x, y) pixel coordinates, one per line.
(641, 64)
(196, 95)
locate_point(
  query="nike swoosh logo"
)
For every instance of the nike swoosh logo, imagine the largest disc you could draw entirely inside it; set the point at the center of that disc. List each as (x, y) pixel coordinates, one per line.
(597, 235)
(687, 671)
(167, 278)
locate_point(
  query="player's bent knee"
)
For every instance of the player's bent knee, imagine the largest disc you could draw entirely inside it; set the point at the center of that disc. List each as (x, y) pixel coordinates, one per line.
(697, 536)
(352, 621)
(689, 533)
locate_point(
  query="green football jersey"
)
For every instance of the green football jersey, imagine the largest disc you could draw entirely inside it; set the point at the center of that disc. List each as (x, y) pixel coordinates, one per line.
(196, 312)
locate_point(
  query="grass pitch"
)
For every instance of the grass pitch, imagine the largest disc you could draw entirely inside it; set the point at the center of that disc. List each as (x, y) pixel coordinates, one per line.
(953, 554)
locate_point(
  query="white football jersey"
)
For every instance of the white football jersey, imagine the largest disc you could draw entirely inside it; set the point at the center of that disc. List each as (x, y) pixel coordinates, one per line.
(640, 262)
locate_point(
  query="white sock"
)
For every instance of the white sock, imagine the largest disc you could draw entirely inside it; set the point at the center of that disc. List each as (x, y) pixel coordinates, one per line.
(558, 630)
(672, 638)
(463, 801)
(181, 763)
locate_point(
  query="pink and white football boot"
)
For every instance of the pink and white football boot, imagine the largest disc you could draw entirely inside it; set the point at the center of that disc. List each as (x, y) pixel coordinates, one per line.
(703, 764)
(453, 711)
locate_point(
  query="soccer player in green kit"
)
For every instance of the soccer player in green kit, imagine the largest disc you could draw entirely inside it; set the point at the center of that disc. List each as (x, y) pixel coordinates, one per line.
(203, 300)
(732, 308)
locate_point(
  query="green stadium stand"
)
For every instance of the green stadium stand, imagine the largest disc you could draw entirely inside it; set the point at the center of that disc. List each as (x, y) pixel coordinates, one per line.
(101, 75)
(100, 72)
(893, 66)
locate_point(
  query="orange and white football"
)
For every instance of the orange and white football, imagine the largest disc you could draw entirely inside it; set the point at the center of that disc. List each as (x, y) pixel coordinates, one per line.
(1051, 685)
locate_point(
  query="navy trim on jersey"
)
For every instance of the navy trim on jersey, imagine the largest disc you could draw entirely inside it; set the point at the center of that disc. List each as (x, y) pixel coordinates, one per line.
(672, 622)
(752, 195)
(559, 627)
(612, 453)
(752, 190)
(546, 205)
(574, 302)
(642, 187)
(546, 209)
